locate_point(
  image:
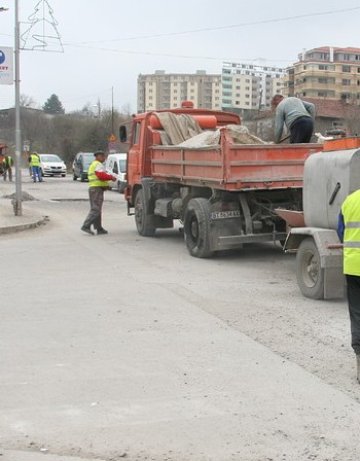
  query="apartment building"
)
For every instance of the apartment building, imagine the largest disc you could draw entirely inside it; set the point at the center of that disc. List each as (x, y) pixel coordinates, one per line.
(249, 87)
(326, 72)
(163, 91)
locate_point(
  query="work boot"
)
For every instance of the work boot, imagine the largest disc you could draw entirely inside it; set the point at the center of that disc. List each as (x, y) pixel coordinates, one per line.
(87, 230)
(358, 367)
(102, 231)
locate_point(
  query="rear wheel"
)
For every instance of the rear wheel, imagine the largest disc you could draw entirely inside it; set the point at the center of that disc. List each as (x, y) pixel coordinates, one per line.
(197, 228)
(309, 273)
(143, 219)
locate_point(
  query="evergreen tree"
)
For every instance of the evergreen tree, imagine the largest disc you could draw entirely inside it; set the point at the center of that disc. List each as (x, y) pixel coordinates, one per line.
(53, 105)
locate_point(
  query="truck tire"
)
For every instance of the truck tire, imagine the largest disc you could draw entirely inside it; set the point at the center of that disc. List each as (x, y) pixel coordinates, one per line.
(309, 274)
(142, 218)
(197, 228)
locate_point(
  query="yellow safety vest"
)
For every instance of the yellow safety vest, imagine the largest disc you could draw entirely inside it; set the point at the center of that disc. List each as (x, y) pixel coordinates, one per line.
(351, 212)
(35, 161)
(94, 181)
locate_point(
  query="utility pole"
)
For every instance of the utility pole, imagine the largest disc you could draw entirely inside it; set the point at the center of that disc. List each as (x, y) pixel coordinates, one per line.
(112, 110)
(18, 197)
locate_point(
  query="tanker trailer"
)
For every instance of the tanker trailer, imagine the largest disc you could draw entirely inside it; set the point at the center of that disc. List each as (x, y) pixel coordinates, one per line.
(329, 176)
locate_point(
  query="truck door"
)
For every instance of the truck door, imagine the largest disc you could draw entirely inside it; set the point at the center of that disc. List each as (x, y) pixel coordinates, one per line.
(134, 156)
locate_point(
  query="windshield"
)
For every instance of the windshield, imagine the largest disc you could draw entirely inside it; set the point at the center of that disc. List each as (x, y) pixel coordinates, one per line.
(88, 159)
(122, 164)
(50, 158)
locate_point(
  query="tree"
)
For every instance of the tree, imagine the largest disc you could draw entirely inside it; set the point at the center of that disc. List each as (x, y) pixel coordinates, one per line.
(27, 101)
(53, 106)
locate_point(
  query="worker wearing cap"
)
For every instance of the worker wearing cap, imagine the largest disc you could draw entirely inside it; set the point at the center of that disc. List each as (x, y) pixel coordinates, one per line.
(298, 117)
(349, 234)
(98, 183)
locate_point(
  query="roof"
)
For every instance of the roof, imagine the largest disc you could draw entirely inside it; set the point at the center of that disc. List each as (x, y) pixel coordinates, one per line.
(333, 108)
(326, 108)
(336, 49)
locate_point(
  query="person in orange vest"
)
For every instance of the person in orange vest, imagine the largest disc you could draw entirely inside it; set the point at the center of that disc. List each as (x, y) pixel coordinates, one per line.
(349, 234)
(98, 183)
(8, 163)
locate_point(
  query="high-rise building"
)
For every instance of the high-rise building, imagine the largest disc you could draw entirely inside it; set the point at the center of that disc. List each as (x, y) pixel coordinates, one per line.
(164, 91)
(249, 86)
(326, 72)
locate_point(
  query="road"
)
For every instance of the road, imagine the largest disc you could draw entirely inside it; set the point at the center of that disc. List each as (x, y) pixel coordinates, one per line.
(119, 346)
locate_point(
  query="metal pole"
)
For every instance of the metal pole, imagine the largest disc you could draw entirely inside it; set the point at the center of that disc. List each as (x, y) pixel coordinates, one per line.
(18, 201)
(112, 110)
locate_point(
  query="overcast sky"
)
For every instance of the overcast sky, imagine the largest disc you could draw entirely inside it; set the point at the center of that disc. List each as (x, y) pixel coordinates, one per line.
(108, 43)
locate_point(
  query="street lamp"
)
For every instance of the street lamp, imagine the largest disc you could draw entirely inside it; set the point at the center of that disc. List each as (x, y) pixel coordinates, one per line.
(18, 204)
(18, 198)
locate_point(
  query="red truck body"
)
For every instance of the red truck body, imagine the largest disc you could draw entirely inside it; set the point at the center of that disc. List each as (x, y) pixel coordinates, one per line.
(224, 194)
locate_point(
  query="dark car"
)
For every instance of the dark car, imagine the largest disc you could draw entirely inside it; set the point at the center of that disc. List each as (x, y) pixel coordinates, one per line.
(81, 164)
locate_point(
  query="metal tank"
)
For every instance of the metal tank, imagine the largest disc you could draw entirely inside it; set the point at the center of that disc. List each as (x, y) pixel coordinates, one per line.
(328, 178)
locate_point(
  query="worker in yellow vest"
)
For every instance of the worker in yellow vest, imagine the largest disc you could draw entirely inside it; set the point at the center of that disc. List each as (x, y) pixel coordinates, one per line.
(35, 167)
(98, 183)
(349, 233)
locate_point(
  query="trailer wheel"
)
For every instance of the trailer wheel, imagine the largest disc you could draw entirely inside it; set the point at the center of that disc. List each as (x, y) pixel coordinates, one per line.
(197, 228)
(142, 218)
(309, 273)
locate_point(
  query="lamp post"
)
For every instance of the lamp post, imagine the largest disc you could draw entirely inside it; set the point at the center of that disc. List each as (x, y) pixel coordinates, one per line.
(18, 200)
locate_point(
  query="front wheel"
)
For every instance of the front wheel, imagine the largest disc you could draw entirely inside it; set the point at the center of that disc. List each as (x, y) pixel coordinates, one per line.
(197, 228)
(309, 273)
(143, 219)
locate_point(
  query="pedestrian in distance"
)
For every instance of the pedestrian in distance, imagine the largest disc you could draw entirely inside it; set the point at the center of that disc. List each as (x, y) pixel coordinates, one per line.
(349, 234)
(8, 163)
(35, 167)
(98, 184)
(298, 116)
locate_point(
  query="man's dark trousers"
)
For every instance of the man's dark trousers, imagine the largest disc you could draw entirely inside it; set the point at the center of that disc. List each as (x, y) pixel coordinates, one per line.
(96, 195)
(353, 292)
(301, 130)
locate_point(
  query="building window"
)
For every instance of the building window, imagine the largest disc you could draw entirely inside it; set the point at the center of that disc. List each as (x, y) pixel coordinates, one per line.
(346, 81)
(346, 68)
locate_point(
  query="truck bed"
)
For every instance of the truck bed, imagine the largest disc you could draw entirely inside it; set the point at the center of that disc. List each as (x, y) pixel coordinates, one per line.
(233, 167)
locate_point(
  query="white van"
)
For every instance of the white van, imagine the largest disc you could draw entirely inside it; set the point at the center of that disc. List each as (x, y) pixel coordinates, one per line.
(116, 165)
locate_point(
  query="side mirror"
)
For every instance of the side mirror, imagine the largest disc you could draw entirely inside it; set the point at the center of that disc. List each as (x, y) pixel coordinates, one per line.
(122, 133)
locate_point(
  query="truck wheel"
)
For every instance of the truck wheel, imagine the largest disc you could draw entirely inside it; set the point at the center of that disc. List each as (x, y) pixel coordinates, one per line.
(309, 273)
(142, 217)
(197, 228)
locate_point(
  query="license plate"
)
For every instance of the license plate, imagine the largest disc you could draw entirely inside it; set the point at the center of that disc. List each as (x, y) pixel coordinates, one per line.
(225, 214)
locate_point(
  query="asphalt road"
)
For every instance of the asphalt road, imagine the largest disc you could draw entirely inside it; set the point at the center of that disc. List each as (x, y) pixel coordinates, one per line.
(120, 346)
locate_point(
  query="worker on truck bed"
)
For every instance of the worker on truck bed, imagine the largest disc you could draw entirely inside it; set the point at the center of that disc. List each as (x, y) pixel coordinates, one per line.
(297, 115)
(349, 234)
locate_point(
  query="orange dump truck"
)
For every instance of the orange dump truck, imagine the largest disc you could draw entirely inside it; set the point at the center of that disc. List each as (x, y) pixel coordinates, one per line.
(225, 193)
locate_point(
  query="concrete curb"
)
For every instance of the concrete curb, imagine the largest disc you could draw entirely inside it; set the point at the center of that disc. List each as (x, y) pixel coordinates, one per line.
(12, 228)
(16, 455)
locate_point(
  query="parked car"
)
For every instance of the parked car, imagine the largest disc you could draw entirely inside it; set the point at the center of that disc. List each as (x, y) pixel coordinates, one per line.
(81, 164)
(116, 164)
(52, 165)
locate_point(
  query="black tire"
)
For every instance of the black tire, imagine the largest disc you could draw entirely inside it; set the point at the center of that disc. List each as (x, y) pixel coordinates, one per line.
(63, 175)
(197, 228)
(143, 219)
(74, 177)
(309, 274)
